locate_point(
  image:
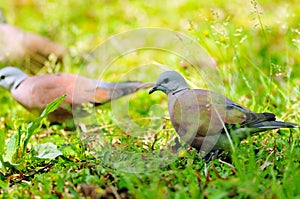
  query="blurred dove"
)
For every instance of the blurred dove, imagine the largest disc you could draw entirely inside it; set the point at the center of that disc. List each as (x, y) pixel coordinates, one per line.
(18, 46)
(203, 117)
(35, 92)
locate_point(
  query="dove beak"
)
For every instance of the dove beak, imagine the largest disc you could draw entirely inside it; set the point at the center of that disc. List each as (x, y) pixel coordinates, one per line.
(155, 88)
(158, 87)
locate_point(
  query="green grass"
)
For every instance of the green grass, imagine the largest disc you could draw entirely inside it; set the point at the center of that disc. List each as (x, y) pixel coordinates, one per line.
(256, 48)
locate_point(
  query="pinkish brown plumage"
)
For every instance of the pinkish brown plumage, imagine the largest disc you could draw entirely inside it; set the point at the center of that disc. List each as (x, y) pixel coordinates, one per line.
(35, 92)
(199, 116)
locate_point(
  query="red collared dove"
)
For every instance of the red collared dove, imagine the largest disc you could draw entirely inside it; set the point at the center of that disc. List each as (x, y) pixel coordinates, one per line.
(35, 92)
(18, 46)
(197, 114)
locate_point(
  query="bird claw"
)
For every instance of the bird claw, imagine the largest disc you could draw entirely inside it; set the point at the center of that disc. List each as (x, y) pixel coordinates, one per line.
(211, 156)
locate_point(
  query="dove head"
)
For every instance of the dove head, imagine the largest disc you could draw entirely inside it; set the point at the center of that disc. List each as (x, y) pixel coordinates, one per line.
(11, 77)
(169, 82)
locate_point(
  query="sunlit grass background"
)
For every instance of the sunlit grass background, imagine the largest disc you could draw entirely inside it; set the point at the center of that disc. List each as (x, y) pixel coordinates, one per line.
(255, 45)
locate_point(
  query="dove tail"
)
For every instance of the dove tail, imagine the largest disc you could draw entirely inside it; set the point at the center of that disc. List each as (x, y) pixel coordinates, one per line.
(242, 133)
(274, 125)
(119, 89)
(266, 116)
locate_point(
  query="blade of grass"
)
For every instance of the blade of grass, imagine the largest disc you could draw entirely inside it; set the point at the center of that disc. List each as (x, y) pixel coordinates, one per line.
(35, 124)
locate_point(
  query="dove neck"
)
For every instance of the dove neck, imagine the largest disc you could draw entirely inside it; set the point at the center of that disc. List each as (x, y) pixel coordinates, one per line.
(19, 81)
(179, 90)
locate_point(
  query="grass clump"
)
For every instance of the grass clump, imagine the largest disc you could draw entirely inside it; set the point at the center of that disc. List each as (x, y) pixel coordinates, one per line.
(255, 46)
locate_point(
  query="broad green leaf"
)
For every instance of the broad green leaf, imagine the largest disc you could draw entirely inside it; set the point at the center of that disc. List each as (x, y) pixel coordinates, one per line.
(47, 151)
(32, 126)
(12, 146)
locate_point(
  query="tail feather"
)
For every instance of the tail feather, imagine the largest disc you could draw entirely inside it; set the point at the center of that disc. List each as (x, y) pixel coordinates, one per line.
(274, 125)
(267, 116)
(242, 133)
(119, 89)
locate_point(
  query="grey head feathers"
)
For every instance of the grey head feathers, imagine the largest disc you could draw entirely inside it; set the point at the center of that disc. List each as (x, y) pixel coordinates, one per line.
(11, 77)
(169, 82)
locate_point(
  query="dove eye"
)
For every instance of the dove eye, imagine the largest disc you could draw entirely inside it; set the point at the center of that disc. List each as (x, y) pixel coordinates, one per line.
(2, 77)
(166, 80)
